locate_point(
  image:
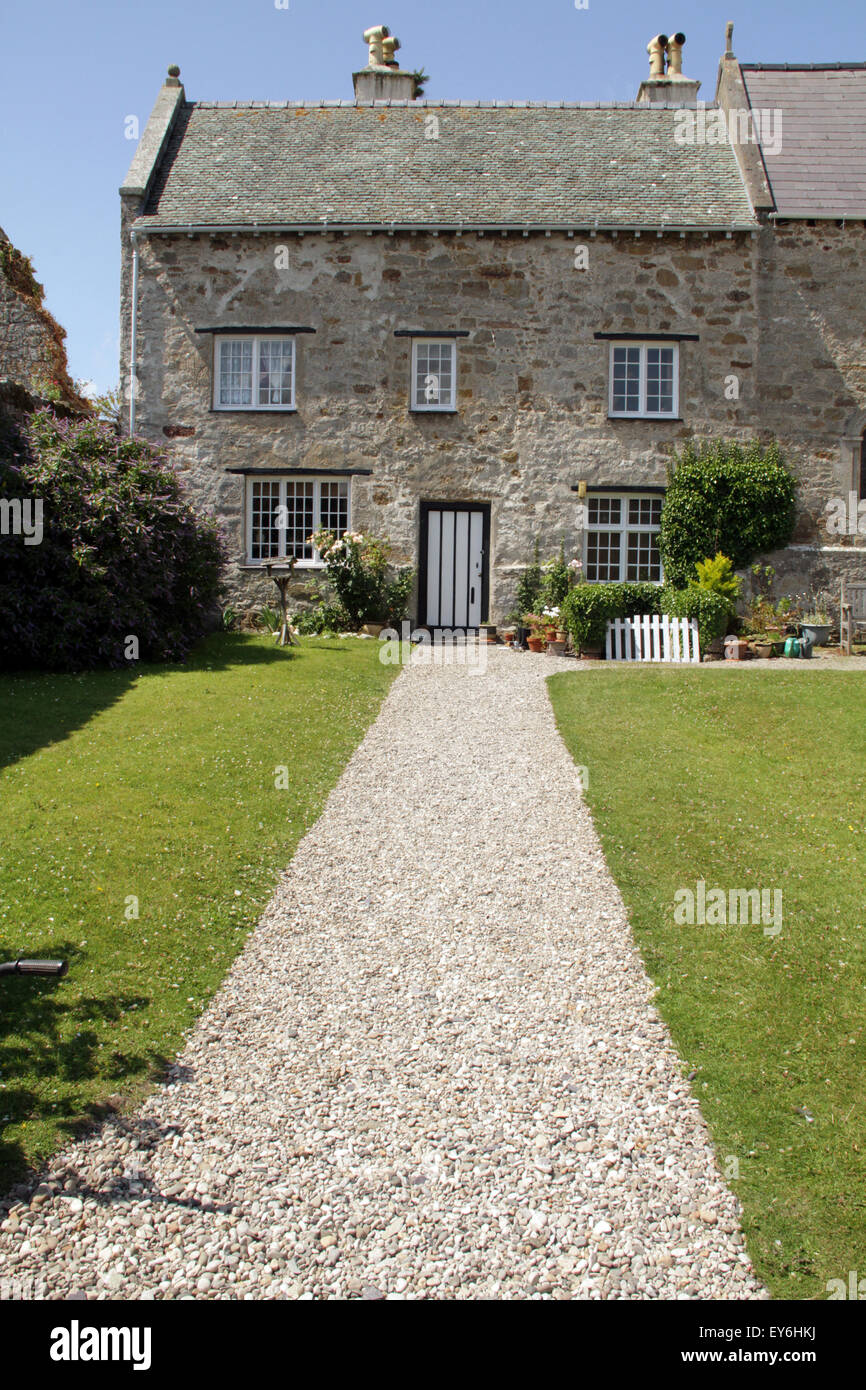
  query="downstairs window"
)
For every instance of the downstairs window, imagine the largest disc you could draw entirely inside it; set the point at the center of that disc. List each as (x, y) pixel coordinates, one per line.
(283, 513)
(621, 538)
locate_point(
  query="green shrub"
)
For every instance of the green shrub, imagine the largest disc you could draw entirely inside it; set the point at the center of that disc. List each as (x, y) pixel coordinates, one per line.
(717, 576)
(556, 581)
(712, 610)
(530, 587)
(268, 619)
(322, 617)
(587, 608)
(358, 568)
(123, 554)
(728, 498)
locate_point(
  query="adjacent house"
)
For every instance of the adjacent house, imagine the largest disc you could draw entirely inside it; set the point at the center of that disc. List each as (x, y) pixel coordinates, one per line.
(33, 366)
(467, 325)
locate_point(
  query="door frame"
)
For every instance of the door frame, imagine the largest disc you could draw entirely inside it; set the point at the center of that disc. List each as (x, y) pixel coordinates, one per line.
(461, 506)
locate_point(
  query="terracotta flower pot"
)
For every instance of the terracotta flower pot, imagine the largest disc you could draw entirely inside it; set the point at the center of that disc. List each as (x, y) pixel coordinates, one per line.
(535, 644)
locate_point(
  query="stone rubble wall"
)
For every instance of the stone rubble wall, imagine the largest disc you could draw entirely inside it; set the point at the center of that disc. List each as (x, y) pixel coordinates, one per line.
(32, 351)
(782, 310)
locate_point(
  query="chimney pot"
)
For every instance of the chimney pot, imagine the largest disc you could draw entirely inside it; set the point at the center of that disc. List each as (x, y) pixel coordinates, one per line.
(669, 87)
(656, 50)
(375, 37)
(675, 55)
(382, 79)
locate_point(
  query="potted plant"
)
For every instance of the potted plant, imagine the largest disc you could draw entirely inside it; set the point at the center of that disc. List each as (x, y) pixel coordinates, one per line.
(551, 616)
(816, 627)
(487, 632)
(538, 625)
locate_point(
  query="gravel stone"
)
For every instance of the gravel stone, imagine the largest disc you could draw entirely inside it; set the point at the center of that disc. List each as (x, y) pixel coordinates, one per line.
(435, 1071)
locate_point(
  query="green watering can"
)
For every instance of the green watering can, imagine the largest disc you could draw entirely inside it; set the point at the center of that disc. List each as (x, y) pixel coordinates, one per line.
(798, 646)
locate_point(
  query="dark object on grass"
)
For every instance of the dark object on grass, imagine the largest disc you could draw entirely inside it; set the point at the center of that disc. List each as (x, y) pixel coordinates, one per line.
(56, 968)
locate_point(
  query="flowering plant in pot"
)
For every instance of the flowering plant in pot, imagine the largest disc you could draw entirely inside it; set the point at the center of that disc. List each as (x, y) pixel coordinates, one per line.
(553, 629)
(538, 625)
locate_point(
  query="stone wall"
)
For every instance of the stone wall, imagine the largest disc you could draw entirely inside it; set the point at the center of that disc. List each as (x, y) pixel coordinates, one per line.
(783, 311)
(32, 351)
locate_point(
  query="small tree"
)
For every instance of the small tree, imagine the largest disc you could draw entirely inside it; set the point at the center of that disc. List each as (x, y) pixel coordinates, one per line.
(728, 498)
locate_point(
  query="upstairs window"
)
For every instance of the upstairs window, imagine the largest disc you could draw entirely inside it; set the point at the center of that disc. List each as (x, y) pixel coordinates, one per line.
(434, 374)
(254, 373)
(283, 513)
(644, 380)
(621, 538)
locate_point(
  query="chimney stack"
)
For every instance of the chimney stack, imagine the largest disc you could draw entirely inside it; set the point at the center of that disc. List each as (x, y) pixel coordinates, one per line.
(382, 79)
(667, 86)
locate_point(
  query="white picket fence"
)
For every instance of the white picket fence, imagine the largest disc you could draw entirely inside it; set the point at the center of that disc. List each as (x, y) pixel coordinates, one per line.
(653, 637)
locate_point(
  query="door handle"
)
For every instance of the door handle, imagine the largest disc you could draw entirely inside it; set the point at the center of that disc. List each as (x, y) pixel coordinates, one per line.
(472, 594)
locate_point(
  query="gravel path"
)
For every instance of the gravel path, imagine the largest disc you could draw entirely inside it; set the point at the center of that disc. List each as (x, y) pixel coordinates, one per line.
(435, 1071)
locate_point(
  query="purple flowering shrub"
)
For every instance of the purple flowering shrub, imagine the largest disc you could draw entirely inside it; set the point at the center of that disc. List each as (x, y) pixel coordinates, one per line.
(121, 554)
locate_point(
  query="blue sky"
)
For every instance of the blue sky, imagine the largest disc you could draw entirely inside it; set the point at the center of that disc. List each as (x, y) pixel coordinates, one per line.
(73, 72)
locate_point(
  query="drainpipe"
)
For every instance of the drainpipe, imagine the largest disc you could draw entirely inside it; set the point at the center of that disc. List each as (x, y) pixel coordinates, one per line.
(132, 330)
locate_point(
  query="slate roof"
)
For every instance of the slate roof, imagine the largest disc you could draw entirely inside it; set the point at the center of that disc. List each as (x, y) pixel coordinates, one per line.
(497, 163)
(820, 170)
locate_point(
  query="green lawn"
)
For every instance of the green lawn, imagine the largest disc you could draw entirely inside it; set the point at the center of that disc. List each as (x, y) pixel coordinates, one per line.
(750, 779)
(159, 786)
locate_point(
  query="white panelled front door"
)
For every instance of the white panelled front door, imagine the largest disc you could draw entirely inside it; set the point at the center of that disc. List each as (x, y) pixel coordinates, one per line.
(455, 575)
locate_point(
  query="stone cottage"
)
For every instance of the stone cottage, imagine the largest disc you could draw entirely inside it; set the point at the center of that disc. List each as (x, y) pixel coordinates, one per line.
(467, 325)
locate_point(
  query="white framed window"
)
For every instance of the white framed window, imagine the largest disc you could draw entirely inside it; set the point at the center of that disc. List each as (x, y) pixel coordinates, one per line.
(254, 372)
(283, 513)
(644, 380)
(621, 538)
(434, 374)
